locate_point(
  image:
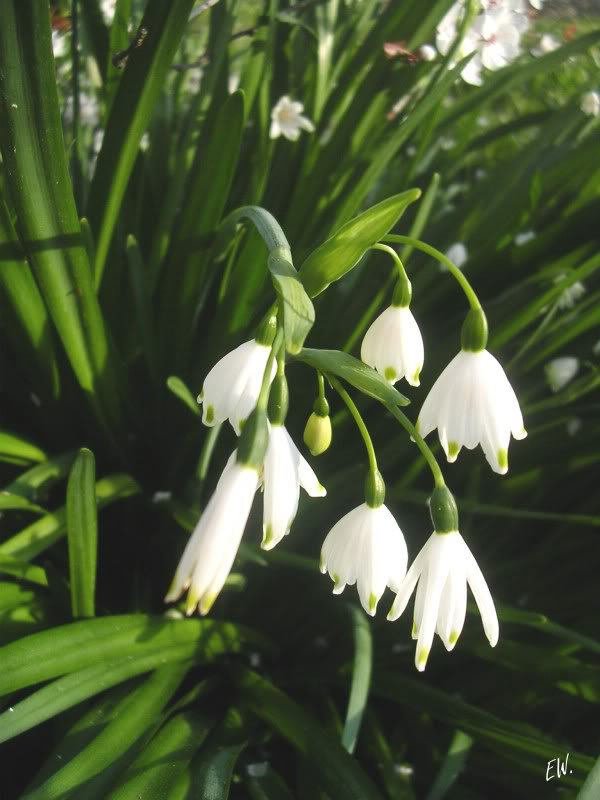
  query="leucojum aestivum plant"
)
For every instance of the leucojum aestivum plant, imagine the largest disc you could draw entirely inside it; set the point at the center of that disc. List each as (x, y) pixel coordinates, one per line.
(472, 403)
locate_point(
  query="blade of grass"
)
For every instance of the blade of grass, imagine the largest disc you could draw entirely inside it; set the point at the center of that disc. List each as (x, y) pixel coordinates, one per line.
(147, 68)
(82, 533)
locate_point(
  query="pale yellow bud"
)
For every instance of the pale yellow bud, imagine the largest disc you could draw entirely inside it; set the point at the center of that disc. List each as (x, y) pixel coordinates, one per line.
(317, 434)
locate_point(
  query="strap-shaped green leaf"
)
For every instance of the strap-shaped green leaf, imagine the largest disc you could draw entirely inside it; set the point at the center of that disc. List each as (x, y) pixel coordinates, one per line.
(36, 173)
(501, 735)
(202, 204)
(148, 64)
(133, 716)
(297, 309)
(339, 254)
(157, 773)
(24, 316)
(267, 786)
(340, 774)
(361, 678)
(16, 502)
(591, 788)
(41, 477)
(180, 390)
(41, 534)
(71, 689)
(82, 533)
(23, 570)
(354, 372)
(78, 645)
(214, 765)
(15, 449)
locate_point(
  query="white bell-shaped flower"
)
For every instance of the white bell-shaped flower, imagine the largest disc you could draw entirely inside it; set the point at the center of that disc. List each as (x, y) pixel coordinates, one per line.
(393, 346)
(365, 547)
(231, 388)
(442, 570)
(210, 552)
(287, 119)
(471, 403)
(285, 471)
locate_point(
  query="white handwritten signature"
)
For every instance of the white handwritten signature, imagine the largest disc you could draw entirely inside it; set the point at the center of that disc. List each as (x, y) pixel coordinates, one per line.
(557, 768)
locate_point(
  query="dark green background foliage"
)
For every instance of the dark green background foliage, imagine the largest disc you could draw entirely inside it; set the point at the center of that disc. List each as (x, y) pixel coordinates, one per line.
(266, 698)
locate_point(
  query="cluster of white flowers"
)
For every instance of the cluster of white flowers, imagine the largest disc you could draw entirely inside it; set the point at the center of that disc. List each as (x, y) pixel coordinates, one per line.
(493, 37)
(471, 403)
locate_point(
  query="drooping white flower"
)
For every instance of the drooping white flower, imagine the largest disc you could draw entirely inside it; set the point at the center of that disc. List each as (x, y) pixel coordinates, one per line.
(570, 294)
(471, 403)
(590, 103)
(210, 552)
(458, 254)
(285, 471)
(561, 371)
(393, 346)
(442, 570)
(366, 547)
(231, 388)
(287, 119)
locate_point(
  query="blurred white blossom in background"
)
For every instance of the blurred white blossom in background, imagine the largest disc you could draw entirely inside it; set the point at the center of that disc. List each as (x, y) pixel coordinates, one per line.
(571, 294)
(590, 103)
(494, 36)
(457, 253)
(287, 119)
(561, 371)
(524, 237)
(547, 44)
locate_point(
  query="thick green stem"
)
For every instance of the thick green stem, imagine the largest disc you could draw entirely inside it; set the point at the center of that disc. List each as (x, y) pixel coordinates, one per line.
(263, 398)
(421, 444)
(443, 259)
(359, 421)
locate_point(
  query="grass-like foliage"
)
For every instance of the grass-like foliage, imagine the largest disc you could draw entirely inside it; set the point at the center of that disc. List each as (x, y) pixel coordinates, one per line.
(151, 218)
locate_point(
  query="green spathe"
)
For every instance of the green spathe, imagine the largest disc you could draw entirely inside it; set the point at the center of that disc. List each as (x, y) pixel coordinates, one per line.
(374, 489)
(474, 332)
(254, 440)
(443, 509)
(279, 397)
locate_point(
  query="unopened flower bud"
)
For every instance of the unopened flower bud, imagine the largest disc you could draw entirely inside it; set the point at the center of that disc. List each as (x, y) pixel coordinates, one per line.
(317, 433)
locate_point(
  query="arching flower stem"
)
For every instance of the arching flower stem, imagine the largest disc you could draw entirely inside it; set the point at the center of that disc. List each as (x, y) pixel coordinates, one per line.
(263, 398)
(439, 256)
(359, 422)
(421, 444)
